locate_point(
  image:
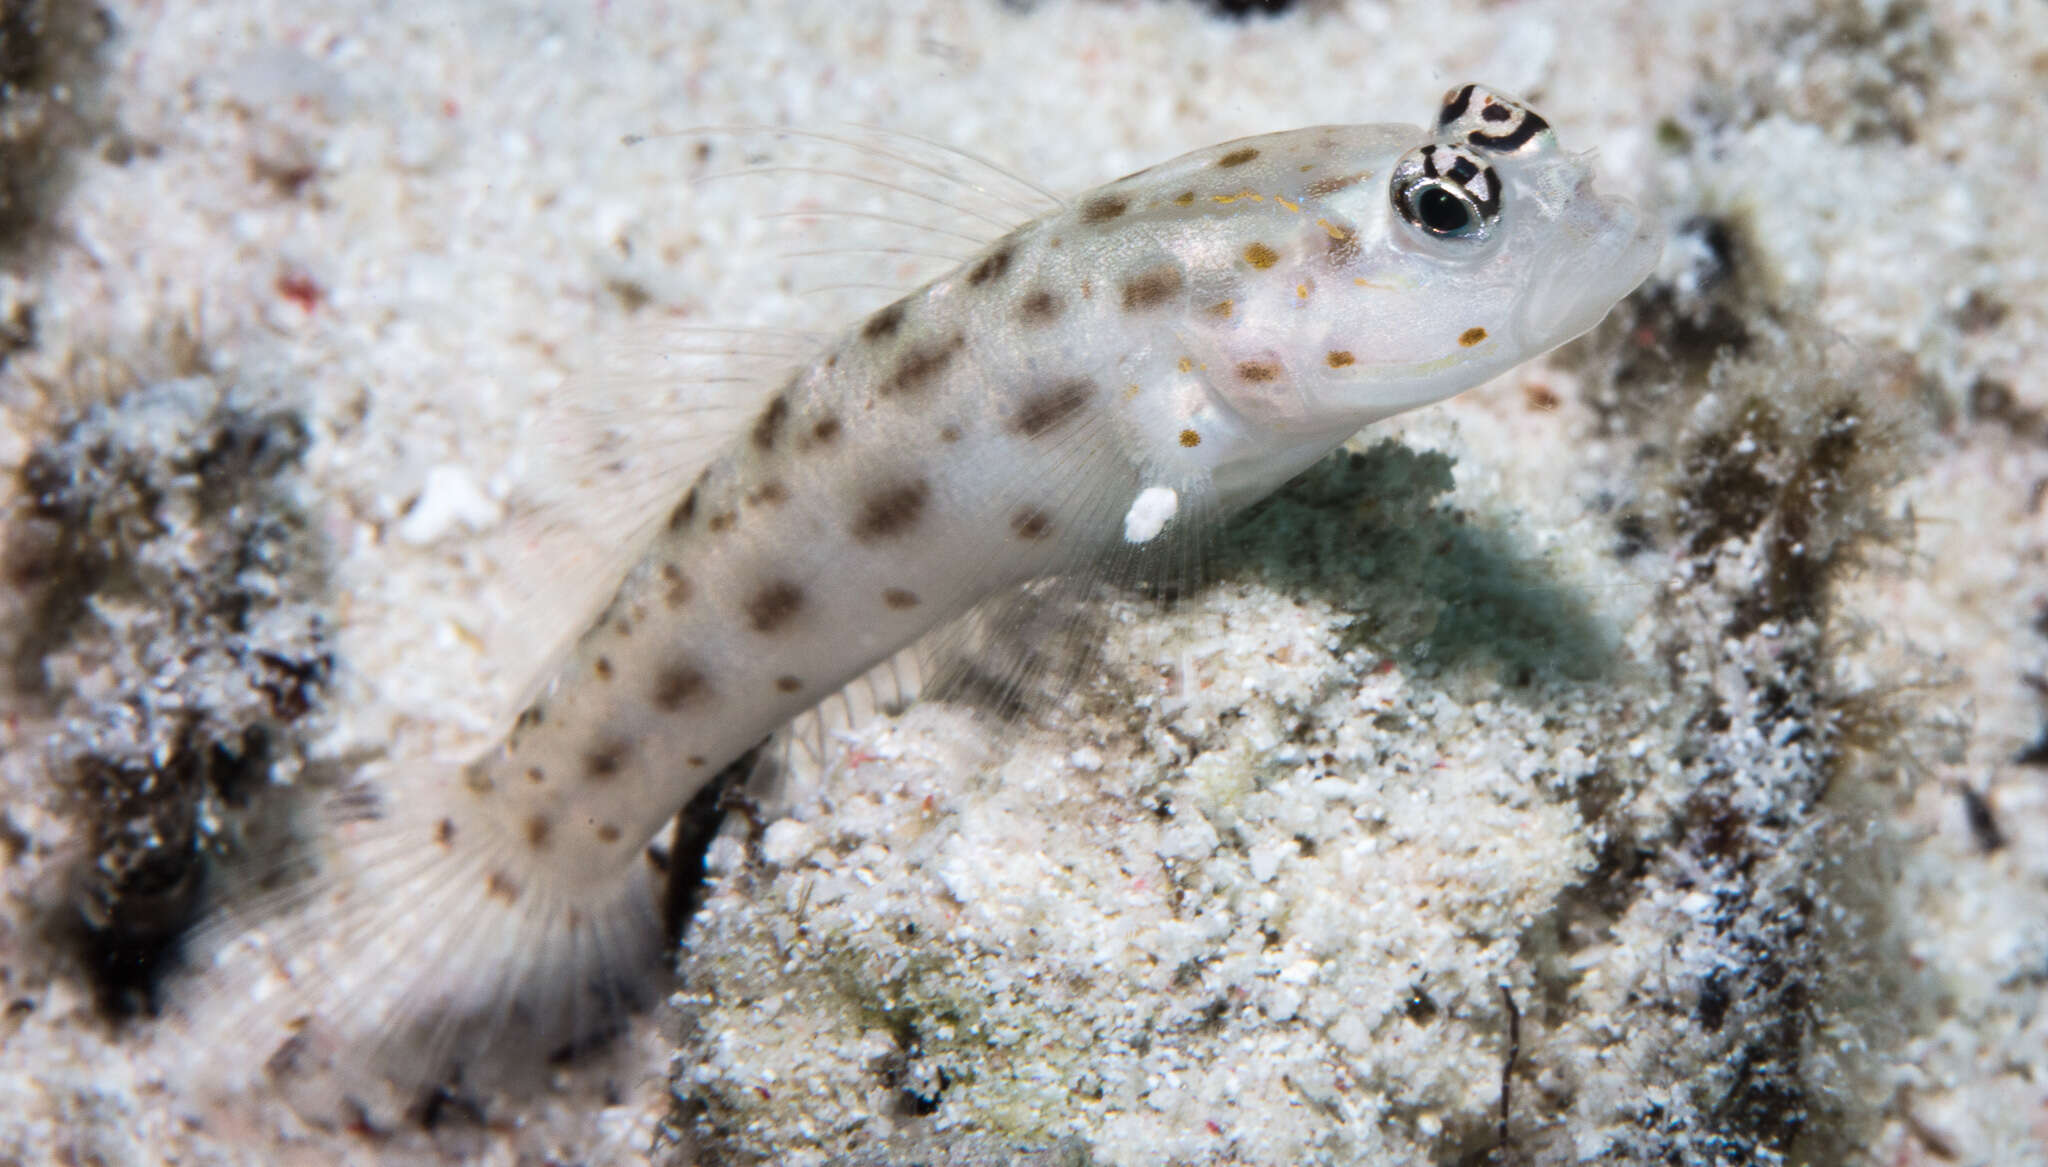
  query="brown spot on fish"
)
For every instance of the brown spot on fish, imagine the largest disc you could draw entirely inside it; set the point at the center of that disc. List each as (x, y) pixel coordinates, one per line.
(536, 775)
(1152, 287)
(775, 605)
(531, 717)
(991, 267)
(883, 325)
(684, 512)
(1471, 336)
(1184, 198)
(826, 431)
(1190, 439)
(1104, 208)
(1047, 408)
(504, 887)
(769, 425)
(949, 433)
(444, 833)
(606, 760)
(1339, 358)
(476, 780)
(1237, 157)
(608, 832)
(1031, 523)
(602, 668)
(1333, 184)
(921, 365)
(722, 521)
(1258, 371)
(770, 494)
(537, 830)
(1261, 256)
(891, 511)
(1221, 309)
(676, 589)
(899, 599)
(677, 686)
(1039, 308)
(788, 684)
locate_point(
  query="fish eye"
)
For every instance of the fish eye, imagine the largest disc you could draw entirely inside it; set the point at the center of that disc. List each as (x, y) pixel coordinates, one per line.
(1439, 211)
(1447, 193)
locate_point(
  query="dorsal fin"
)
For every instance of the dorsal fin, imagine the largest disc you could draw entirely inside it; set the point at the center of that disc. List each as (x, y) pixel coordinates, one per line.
(603, 457)
(862, 214)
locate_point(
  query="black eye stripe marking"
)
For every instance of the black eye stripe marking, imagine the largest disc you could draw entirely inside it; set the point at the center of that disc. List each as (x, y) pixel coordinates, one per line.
(1530, 126)
(1485, 120)
(1487, 191)
(1455, 105)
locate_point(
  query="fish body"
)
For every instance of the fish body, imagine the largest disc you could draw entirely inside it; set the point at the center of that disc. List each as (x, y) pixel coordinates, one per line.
(1098, 383)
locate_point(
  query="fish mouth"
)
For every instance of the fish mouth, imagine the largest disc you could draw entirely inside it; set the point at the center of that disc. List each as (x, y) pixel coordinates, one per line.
(1605, 248)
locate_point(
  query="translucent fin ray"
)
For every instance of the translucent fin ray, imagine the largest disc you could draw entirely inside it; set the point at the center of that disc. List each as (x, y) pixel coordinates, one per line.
(604, 458)
(840, 196)
(394, 962)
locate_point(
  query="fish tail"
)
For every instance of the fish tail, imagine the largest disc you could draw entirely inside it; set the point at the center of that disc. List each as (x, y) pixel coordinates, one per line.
(413, 953)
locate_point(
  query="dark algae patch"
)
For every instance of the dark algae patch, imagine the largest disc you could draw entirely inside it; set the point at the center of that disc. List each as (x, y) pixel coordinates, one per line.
(166, 579)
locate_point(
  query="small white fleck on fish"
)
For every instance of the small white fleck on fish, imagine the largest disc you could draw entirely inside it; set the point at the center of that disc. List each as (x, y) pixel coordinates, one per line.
(1149, 513)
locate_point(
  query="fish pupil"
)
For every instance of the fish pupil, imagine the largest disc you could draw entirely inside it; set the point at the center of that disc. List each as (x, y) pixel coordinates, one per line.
(1442, 212)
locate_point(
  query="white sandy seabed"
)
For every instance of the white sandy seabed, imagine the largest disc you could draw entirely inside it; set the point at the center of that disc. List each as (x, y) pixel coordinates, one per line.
(1646, 730)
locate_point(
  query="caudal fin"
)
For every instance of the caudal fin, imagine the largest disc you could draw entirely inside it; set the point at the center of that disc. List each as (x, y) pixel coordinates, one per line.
(411, 952)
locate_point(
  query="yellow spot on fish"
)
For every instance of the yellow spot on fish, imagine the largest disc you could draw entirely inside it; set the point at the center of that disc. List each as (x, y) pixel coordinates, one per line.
(1131, 392)
(1253, 195)
(1184, 198)
(1187, 364)
(468, 638)
(1471, 336)
(1190, 439)
(1261, 256)
(1301, 291)
(1335, 231)
(1292, 206)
